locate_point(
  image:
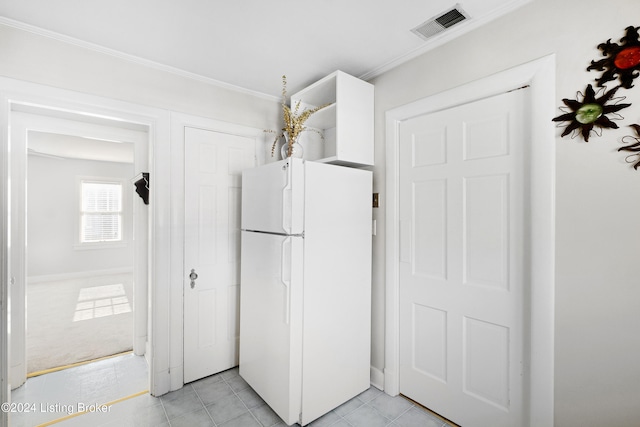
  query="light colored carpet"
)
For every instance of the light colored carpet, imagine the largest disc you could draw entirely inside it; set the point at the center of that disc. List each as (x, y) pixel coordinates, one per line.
(80, 319)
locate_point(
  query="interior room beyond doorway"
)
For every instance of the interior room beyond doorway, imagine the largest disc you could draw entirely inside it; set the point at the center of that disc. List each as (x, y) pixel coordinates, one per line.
(79, 257)
(76, 320)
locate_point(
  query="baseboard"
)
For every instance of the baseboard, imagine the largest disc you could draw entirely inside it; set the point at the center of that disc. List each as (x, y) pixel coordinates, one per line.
(377, 378)
(176, 377)
(77, 275)
(161, 382)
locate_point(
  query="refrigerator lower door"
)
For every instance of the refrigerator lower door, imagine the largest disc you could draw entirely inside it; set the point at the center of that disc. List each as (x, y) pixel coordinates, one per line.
(273, 197)
(271, 320)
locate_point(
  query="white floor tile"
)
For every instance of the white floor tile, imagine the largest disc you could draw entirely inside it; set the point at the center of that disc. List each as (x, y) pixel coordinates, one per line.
(222, 400)
(390, 407)
(366, 416)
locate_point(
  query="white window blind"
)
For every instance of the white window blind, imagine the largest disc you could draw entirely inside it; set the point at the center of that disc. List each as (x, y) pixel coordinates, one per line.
(101, 212)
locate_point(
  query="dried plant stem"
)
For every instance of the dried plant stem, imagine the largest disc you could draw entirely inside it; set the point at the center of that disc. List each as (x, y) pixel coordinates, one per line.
(293, 121)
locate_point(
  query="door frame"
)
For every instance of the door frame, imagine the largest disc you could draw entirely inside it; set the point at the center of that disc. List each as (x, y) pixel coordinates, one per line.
(159, 160)
(41, 120)
(539, 75)
(179, 121)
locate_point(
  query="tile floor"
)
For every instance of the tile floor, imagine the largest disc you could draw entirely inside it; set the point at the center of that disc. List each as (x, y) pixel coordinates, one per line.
(98, 382)
(223, 400)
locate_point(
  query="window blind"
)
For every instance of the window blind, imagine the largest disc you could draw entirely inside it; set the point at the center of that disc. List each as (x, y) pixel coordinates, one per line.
(101, 212)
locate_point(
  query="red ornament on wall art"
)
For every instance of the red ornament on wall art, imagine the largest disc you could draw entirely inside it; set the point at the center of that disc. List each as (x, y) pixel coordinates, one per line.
(628, 58)
(622, 61)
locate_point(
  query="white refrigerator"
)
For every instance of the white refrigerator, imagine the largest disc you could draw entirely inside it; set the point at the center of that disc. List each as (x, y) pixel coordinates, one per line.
(305, 292)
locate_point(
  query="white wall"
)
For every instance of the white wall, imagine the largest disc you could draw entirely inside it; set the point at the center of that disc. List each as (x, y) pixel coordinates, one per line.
(597, 344)
(35, 58)
(53, 218)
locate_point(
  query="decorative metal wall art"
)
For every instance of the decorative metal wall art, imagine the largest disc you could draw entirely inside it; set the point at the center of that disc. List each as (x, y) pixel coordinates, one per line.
(633, 148)
(590, 114)
(621, 60)
(141, 185)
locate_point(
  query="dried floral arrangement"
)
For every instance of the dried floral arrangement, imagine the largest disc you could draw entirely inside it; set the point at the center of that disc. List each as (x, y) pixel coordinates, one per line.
(294, 121)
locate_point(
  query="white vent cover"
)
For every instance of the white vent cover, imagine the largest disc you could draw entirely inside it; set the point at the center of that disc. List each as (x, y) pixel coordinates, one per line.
(439, 23)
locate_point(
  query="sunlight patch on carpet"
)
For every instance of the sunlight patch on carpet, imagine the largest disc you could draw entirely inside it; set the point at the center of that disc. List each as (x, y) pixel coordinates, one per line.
(101, 301)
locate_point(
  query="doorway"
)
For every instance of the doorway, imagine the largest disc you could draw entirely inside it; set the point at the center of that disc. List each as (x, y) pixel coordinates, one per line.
(157, 122)
(539, 77)
(84, 230)
(79, 256)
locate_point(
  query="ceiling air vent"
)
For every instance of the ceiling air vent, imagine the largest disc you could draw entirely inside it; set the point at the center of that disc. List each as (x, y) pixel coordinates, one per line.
(440, 23)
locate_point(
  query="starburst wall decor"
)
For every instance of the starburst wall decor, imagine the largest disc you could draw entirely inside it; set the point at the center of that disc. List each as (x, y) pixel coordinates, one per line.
(590, 114)
(621, 60)
(593, 111)
(633, 148)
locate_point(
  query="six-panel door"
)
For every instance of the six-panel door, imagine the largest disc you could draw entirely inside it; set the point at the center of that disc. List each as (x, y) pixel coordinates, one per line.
(213, 165)
(463, 276)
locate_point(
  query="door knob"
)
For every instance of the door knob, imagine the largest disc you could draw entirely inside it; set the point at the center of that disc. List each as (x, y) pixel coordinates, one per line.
(193, 276)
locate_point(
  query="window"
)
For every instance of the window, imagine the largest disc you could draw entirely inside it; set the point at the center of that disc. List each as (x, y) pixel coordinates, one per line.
(100, 212)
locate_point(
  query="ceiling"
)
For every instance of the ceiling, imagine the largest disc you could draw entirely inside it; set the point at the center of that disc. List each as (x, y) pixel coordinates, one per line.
(250, 44)
(65, 135)
(61, 147)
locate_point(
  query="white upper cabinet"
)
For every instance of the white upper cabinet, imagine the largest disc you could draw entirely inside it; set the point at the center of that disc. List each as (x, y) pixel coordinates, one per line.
(346, 125)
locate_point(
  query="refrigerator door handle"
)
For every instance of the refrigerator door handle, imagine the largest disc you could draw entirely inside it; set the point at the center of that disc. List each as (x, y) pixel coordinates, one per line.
(286, 200)
(285, 276)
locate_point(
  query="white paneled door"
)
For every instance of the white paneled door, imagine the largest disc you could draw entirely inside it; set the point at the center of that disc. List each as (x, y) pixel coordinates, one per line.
(463, 269)
(213, 174)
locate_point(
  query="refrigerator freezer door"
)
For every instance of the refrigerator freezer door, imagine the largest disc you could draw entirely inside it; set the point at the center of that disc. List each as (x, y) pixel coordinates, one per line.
(271, 320)
(273, 197)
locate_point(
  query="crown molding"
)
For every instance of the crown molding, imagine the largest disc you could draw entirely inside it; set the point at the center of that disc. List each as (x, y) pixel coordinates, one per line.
(131, 58)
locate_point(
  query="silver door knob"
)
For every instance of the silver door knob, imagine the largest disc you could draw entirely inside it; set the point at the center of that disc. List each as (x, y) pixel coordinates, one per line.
(193, 276)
